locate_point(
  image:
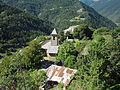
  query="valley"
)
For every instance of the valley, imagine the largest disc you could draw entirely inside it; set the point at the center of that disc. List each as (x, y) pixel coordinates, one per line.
(59, 45)
(107, 8)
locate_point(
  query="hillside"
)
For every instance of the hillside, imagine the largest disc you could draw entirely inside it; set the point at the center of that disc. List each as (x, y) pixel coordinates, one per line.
(104, 8)
(63, 13)
(99, 69)
(88, 2)
(18, 27)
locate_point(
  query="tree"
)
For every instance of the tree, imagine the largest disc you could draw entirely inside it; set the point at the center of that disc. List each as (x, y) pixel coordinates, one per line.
(65, 50)
(15, 70)
(61, 36)
(115, 32)
(38, 77)
(69, 35)
(70, 61)
(79, 46)
(102, 31)
(100, 68)
(82, 31)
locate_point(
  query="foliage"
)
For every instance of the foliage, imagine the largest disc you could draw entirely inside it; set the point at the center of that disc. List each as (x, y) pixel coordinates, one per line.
(82, 31)
(74, 85)
(100, 68)
(19, 71)
(115, 87)
(63, 13)
(79, 46)
(115, 32)
(20, 80)
(61, 36)
(99, 38)
(32, 56)
(38, 77)
(102, 31)
(58, 87)
(70, 61)
(18, 27)
(69, 35)
(65, 50)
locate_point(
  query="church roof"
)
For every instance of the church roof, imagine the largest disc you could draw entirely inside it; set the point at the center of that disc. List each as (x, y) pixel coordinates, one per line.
(53, 49)
(50, 48)
(54, 32)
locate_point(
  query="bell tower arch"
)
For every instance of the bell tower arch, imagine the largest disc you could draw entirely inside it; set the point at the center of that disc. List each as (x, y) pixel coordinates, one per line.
(54, 38)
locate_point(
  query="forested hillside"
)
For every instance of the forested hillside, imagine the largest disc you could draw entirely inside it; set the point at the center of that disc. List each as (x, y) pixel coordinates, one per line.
(107, 8)
(98, 69)
(92, 48)
(97, 59)
(18, 27)
(21, 70)
(63, 13)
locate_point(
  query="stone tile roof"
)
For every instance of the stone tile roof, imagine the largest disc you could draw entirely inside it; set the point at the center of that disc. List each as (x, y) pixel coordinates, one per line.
(53, 49)
(60, 74)
(50, 49)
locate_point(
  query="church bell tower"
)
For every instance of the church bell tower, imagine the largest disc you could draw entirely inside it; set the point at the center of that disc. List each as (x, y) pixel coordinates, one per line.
(54, 38)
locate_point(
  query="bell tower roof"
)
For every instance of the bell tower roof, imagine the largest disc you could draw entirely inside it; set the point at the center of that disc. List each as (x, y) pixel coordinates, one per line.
(54, 32)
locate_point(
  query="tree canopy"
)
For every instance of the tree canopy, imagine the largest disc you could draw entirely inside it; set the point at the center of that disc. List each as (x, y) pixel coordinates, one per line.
(21, 70)
(100, 67)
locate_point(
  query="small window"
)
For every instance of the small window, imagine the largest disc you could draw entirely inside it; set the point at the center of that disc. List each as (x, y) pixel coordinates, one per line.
(53, 37)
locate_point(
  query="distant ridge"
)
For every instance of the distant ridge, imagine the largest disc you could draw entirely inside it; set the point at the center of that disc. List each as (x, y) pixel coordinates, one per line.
(107, 8)
(63, 13)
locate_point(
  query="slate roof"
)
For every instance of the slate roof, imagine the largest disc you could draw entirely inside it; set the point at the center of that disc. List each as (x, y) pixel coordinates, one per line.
(60, 74)
(53, 49)
(50, 49)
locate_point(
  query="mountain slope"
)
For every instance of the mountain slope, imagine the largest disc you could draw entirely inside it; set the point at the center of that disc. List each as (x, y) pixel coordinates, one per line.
(63, 13)
(108, 8)
(18, 27)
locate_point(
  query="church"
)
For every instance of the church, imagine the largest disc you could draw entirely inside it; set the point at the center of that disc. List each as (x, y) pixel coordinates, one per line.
(51, 46)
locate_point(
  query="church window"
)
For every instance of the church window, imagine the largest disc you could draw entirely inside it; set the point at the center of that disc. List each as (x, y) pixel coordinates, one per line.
(53, 37)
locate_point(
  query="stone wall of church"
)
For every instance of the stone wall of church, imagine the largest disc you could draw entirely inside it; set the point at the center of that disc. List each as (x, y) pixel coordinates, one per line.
(54, 40)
